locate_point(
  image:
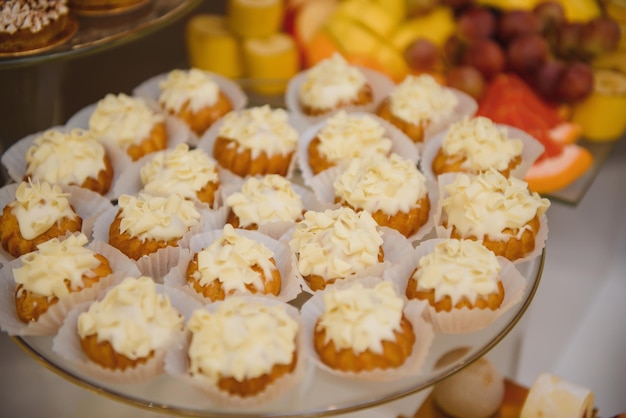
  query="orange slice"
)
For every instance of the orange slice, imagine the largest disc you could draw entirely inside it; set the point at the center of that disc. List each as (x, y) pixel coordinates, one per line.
(554, 173)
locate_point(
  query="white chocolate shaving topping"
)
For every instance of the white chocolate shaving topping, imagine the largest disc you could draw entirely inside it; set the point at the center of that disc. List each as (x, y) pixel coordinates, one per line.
(330, 82)
(486, 204)
(181, 170)
(133, 318)
(458, 268)
(265, 200)
(123, 120)
(482, 144)
(230, 259)
(345, 136)
(46, 271)
(391, 185)
(421, 98)
(30, 14)
(360, 318)
(260, 129)
(38, 206)
(241, 339)
(157, 217)
(336, 243)
(65, 158)
(194, 86)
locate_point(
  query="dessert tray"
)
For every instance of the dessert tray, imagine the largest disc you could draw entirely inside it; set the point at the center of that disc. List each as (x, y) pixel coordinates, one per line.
(319, 393)
(91, 33)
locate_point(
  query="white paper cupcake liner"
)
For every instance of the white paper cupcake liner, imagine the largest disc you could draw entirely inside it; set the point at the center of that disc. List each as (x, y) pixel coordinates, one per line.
(177, 365)
(15, 163)
(441, 232)
(322, 185)
(207, 142)
(532, 149)
(49, 322)
(177, 132)
(87, 204)
(424, 336)
(466, 106)
(463, 320)
(381, 86)
(278, 228)
(67, 345)
(400, 144)
(159, 263)
(150, 90)
(290, 285)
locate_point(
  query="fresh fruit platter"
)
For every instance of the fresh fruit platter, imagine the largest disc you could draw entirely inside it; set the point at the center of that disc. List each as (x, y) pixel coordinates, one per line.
(553, 68)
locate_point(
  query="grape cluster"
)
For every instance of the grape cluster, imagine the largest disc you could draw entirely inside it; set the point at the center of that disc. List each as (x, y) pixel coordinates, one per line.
(549, 52)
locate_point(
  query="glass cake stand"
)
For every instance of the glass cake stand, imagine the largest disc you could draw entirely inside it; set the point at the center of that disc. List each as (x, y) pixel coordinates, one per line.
(319, 393)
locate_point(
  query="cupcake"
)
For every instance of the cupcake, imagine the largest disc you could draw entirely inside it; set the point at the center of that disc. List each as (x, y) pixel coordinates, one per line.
(333, 84)
(72, 158)
(129, 124)
(391, 188)
(362, 329)
(31, 25)
(501, 212)
(255, 141)
(129, 325)
(145, 223)
(190, 173)
(263, 201)
(55, 270)
(417, 103)
(335, 244)
(457, 274)
(345, 136)
(194, 97)
(40, 212)
(233, 264)
(242, 347)
(473, 145)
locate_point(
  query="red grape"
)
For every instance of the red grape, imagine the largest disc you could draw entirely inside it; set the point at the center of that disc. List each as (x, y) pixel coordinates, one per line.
(515, 23)
(526, 53)
(422, 55)
(476, 23)
(576, 83)
(569, 40)
(486, 55)
(550, 15)
(599, 35)
(468, 80)
(546, 78)
(453, 50)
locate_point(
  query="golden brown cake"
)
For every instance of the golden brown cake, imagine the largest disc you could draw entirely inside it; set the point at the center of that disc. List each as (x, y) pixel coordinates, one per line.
(39, 213)
(345, 136)
(333, 84)
(501, 212)
(69, 158)
(260, 349)
(194, 97)
(335, 244)
(476, 144)
(415, 103)
(190, 173)
(233, 264)
(27, 25)
(458, 274)
(129, 124)
(391, 188)
(144, 223)
(363, 329)
(256, 141)
(56, 269)
(262, 201)
(128, 325)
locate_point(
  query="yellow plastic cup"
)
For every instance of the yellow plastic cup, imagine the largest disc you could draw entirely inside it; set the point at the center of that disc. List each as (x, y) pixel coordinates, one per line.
(602, 115)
